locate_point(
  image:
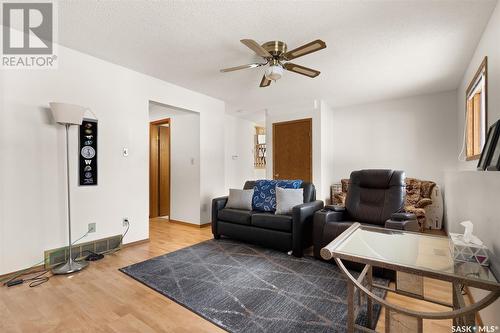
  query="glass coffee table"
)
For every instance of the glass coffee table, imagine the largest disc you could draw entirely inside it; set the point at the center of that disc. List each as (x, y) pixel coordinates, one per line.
(412, 256)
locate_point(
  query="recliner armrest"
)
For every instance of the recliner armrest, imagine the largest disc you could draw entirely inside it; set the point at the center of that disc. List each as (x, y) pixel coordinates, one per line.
(403, 216)
(327, 215)
(335, 208)
(321, 219)
(402, 221)
(409, 225)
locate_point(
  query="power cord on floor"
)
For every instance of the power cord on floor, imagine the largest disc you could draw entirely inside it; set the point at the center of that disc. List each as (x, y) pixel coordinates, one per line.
(39, 279)
(13, 279)
(36, 280)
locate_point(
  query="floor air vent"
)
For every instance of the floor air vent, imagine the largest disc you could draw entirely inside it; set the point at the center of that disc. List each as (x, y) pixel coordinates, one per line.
(79, 251)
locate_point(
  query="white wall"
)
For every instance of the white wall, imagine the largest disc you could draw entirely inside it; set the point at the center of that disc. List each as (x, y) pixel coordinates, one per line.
(327, 151)
(212, 164)
(184, 161)
(474, 195)
(414, 134)
(239, 147)
(259, 173)
(32, 193)
(488, 46)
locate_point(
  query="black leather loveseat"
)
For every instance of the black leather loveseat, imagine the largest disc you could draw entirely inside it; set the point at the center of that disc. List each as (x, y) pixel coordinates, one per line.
(281, 232)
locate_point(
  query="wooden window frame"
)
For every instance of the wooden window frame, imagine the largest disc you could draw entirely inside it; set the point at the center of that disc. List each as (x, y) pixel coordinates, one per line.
(470, 89)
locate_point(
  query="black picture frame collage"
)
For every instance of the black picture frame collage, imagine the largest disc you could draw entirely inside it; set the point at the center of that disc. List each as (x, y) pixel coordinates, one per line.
(490, 155)
(88, 153)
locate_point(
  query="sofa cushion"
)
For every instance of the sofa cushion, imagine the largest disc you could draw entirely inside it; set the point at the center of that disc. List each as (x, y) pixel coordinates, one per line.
(309, 190)
(238, 216)
(264, 196)
(240, 199)
(271, 221)
(287, 198)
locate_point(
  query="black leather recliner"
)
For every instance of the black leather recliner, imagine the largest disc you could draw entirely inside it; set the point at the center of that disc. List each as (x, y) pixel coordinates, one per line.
(281, 232)
(374, 197)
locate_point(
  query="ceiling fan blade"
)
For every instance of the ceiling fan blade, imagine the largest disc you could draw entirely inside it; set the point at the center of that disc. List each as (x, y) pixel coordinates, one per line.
(265, 82)
(300, 51)
(254, 46)
(301, 69)
(230, 69)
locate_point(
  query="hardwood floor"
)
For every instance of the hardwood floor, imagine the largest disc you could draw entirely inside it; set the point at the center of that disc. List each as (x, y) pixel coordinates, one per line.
(102, 299)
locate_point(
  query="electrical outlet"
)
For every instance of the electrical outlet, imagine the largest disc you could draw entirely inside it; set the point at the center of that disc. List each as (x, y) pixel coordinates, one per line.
(91, 227)
(125, 222)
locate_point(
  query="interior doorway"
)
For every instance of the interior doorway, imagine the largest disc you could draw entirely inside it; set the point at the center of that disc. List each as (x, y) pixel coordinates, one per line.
(159, 168)
(292, 150)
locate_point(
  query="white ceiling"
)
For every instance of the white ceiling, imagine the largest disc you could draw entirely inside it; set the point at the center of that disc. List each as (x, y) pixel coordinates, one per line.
(376, 50)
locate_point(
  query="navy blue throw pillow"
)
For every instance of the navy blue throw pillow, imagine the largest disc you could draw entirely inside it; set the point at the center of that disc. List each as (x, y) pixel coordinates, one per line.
(264, 193)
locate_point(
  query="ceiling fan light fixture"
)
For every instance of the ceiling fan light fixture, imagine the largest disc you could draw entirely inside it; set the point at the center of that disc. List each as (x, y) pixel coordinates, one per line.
(275, 55)
(274, 72)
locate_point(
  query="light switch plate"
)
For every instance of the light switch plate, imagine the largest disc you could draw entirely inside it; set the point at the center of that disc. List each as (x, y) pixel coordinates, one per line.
(125, 152)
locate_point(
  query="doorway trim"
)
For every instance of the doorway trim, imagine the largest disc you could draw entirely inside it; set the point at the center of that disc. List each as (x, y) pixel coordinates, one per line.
(304, 120)
(154, 167)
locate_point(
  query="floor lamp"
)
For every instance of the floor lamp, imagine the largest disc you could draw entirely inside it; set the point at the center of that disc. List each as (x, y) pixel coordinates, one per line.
(67, 115)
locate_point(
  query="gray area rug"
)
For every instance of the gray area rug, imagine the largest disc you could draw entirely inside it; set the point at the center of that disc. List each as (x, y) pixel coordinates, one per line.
(246, 288)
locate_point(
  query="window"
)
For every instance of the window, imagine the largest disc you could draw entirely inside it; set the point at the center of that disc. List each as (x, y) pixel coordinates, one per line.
(476, 110)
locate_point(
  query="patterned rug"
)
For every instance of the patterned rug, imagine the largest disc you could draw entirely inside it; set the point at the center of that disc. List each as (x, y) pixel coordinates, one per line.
(246, 288)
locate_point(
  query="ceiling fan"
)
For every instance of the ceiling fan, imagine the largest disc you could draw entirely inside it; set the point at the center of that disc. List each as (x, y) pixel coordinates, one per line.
(275, 54)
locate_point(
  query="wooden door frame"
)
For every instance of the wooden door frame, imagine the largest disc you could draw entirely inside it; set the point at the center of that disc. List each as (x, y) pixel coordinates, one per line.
(157, 195)
(305, 120)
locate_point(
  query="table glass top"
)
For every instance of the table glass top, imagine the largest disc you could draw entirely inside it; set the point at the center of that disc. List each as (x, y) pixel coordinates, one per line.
(419, 251)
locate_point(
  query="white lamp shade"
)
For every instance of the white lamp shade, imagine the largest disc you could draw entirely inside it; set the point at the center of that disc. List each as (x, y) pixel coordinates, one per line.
(64, 113)
(274, 72)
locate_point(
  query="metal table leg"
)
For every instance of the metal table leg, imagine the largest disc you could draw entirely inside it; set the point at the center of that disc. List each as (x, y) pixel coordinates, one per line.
(350, 307)
(369, 302)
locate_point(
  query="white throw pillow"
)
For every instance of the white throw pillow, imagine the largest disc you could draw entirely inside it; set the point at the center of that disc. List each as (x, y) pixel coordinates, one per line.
(287, 198)
(240, 199)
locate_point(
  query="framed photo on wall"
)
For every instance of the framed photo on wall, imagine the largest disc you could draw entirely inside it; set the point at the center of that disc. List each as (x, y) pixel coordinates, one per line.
(493, 133)
(88, 153)
(493, 163)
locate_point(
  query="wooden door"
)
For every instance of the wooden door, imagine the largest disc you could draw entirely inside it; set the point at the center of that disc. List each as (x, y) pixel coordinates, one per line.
(159, 168)
(164, 171)
(153, 171)
(292, 150)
